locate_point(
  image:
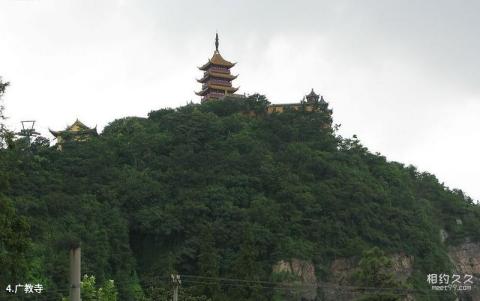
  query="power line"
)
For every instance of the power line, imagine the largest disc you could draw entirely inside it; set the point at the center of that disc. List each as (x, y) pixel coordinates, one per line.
(316, 284)
(343, 289)
(222, 281)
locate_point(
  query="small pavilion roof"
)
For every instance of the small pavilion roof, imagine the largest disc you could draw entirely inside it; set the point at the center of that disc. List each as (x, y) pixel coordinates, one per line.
(76, 127)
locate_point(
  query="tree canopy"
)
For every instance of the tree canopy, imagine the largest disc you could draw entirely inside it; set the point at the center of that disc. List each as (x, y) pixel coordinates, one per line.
(4, 133)
(208, 190)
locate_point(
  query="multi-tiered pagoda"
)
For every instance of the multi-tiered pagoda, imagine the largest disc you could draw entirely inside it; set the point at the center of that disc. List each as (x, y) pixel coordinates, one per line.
(217, 79)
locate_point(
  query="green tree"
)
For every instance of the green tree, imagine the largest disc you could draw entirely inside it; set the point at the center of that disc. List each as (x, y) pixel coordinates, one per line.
(5, 134)
(107, 292)
(89, 291)
(14, 243)
(208, 262)
(374, 271)
(246, 266)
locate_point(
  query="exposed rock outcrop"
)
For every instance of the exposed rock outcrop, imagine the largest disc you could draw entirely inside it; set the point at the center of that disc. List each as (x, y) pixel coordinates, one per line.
(342, 269)
(443, 235)
(300, 275)
(402, 266)
(466, 260)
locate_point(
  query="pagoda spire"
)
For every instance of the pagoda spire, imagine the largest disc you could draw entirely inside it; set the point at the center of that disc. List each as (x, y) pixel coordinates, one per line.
(216, 42)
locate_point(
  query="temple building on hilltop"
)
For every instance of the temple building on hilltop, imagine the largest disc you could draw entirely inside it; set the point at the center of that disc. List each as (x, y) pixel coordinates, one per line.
(217, 79)
(78, 131)
(217, 84)
(310, 102)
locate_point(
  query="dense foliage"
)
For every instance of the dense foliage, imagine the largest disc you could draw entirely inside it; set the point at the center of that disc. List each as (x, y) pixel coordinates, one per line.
(209, 190)
(4, 133)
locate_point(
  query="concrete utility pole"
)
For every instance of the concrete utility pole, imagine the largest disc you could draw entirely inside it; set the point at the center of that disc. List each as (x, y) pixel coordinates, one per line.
(176, 284)
(75, 255)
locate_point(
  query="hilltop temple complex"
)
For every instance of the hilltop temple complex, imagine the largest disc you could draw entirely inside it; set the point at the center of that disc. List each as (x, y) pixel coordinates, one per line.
(217, 84)
(78, 131)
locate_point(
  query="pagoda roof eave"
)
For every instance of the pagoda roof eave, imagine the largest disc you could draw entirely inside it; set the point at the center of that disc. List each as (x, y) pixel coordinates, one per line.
(54, 133)
(70, 132)
(222, 88)
(209, 64)
(92, 131)
(202, 93)
(217, 60)
(215, 74)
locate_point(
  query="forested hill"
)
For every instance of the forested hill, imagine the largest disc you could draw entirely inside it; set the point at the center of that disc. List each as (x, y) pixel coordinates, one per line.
(207, 190)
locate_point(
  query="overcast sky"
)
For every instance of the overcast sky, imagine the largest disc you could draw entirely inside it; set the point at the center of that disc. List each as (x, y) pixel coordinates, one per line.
(402, 75)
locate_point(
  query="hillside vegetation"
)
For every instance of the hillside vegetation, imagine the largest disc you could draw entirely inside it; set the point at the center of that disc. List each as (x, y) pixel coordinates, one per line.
(207, 190)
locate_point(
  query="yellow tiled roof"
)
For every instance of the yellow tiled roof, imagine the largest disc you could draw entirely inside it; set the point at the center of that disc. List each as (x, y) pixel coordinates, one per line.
(216, 74)
(217, 59)
(217, 87)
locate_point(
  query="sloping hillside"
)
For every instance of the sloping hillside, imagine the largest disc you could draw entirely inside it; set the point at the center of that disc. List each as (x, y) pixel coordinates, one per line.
(209, 191)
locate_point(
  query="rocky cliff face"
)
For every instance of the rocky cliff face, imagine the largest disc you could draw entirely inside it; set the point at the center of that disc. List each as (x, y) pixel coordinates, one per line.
(465, 258)
(300, 276)
(466, 261)
(341, 271)
(304, 283)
